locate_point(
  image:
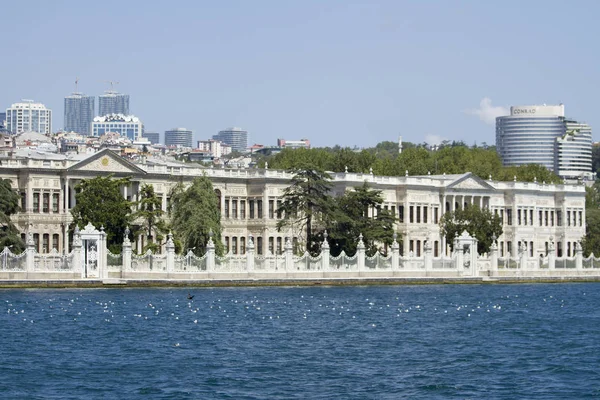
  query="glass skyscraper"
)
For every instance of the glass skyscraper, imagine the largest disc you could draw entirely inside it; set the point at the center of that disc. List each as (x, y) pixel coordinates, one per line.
(79, 113)
(112, 102)
(542, 135)
(235, 137)
(178, 137)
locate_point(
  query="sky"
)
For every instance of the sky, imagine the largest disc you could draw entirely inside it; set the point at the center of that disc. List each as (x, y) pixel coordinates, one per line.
(348, 73)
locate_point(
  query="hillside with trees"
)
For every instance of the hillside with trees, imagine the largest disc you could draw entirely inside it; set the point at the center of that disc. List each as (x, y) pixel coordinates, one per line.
(384, 159)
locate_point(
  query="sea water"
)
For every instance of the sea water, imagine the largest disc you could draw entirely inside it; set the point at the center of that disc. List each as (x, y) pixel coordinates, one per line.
(366, 342)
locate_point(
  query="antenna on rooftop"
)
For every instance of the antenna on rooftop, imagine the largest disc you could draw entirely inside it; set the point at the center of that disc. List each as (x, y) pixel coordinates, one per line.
(112, 83)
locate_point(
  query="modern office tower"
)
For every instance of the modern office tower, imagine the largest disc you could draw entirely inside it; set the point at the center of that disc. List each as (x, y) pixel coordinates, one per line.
(153, 137)
(573, 152)
(178, 137)
(540, 135)
(79, 113)
(28, 116)
(127, 126)
(112, 102)
(235, 137)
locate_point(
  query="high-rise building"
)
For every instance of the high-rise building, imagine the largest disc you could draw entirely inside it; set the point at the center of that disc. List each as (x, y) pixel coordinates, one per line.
(573, 153)
(79, 113)
(153, 137)
(178, 137)
(112, 102)
(128, 126)
(235, 137)
(539, 135)
(28, 116)
(214, 147)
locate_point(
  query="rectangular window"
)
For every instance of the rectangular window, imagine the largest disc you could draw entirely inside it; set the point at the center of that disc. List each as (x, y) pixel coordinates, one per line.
(259, 208)
(509, 216)
(552, 218)
(279, 245)
(227, 244)
(271, 209)
(401, 213)
(436, 216)
(259, 245)
(243, 209)
(541, 217)
(24, 201)
(393, 211)
(411, 246)
(418, 248)
(55, 241)
(568, 249)
(568, 216)
(501, 249)
(519, 217)
(36, 241)
(559, 252)
(36, 202)
(279, 212)
(502, 216)
(46, 202)
(424, 214)
(530, 249)
(45, 243)
(580, 218)
(546, 218)
(55, 202)
(234, 247)
(226, 207)
(436, 245)
(418, 214)
(531, 217)
(271, 245)
(242, 245)
(559, 218)
(251, 207)
(411, 211)
(234, 211)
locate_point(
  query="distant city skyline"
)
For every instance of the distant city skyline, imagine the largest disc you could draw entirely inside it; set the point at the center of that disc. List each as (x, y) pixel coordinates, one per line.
(349, 73)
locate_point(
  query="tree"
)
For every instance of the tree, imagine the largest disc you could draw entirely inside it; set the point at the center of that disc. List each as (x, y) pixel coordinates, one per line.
(9, 205)
(195, 215)
(304, 201)
(149, 211)
(99, 201)
(351, 219)
(591, 241)
(479, 223)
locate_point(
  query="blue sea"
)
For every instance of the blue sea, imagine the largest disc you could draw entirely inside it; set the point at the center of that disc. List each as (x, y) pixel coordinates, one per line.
(520, 341)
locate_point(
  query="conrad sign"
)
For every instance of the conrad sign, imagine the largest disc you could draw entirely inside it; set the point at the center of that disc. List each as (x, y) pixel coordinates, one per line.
(524, 111)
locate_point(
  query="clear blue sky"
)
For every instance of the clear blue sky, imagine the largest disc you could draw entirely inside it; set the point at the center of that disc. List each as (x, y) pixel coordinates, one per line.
(335, 72)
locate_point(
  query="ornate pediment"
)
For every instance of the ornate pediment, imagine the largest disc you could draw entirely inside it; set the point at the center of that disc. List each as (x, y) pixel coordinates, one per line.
(470, 182)
(107, 162)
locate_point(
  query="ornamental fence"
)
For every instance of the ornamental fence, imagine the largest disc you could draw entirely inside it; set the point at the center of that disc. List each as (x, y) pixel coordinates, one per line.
(90, 259)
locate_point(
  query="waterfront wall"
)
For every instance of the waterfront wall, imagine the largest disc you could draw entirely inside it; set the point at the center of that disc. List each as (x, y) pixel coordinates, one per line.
(90, 260)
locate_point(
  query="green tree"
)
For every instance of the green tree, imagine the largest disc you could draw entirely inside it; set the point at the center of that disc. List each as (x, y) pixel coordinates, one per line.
(306, 201)
(591, 241)
(9, 205)
(195, 213)
(481, 224)
(99, 201)
(150, 214)
(351, 219)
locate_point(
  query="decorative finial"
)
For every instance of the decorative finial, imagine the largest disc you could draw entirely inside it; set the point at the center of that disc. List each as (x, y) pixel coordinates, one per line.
(371, 170)
(490, 177)
(406, 173)
(515, 178)
(325, 234)
(346, 169)
(395, 236)
(266, 165)
(210, 233)
(127, 231)
(428, 172)
(535, 179)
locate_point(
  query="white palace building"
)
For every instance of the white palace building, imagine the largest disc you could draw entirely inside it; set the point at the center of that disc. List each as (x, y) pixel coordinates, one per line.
(536, 216)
